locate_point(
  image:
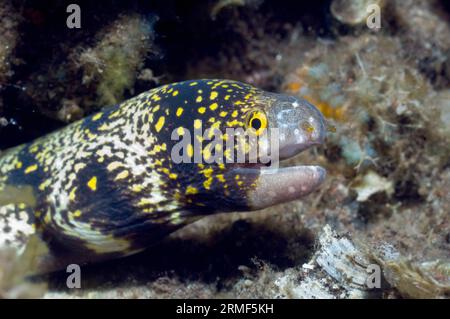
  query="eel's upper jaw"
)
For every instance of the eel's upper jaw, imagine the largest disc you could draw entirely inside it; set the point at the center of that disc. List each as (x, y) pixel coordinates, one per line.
(280, 185)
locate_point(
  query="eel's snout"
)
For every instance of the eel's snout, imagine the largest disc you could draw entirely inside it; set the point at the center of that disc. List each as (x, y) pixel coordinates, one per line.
(300, 125)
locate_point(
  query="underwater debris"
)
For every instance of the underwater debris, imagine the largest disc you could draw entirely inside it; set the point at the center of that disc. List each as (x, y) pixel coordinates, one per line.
(222, 4)
(338, 269)
(3, 121)
(442, 102)
(389, 111)
(9, 39)
(373, 104)
(426, 38)
(371, 183)
(414, 279)
(354, 154)
(83, 75)
(112, 65)
(353, 12)
(70, 111)
(308, 81)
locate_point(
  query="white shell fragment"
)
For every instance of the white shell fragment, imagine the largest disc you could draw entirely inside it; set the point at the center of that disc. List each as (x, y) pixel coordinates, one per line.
(337, 270)
(352, 12)
(372, 183)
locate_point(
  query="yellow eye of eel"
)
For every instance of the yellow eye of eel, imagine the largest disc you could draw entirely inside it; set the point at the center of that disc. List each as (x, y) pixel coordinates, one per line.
(257, 120)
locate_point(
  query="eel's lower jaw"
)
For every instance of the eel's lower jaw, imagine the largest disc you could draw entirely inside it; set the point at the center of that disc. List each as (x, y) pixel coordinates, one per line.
(280, 185)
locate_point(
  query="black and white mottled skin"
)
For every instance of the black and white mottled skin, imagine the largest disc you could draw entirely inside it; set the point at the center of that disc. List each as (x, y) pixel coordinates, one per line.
(106, 186)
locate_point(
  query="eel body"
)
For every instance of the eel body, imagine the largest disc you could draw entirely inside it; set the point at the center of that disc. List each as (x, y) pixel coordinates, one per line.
(122, 179)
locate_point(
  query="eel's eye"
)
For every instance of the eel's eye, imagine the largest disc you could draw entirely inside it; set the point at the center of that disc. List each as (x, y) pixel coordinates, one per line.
(257, 120)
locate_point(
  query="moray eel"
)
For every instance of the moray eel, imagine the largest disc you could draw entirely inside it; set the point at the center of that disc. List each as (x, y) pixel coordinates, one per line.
(108, 186)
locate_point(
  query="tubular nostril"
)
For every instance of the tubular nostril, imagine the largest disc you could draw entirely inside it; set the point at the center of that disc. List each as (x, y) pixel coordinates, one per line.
(307, 127)
(314, 132)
